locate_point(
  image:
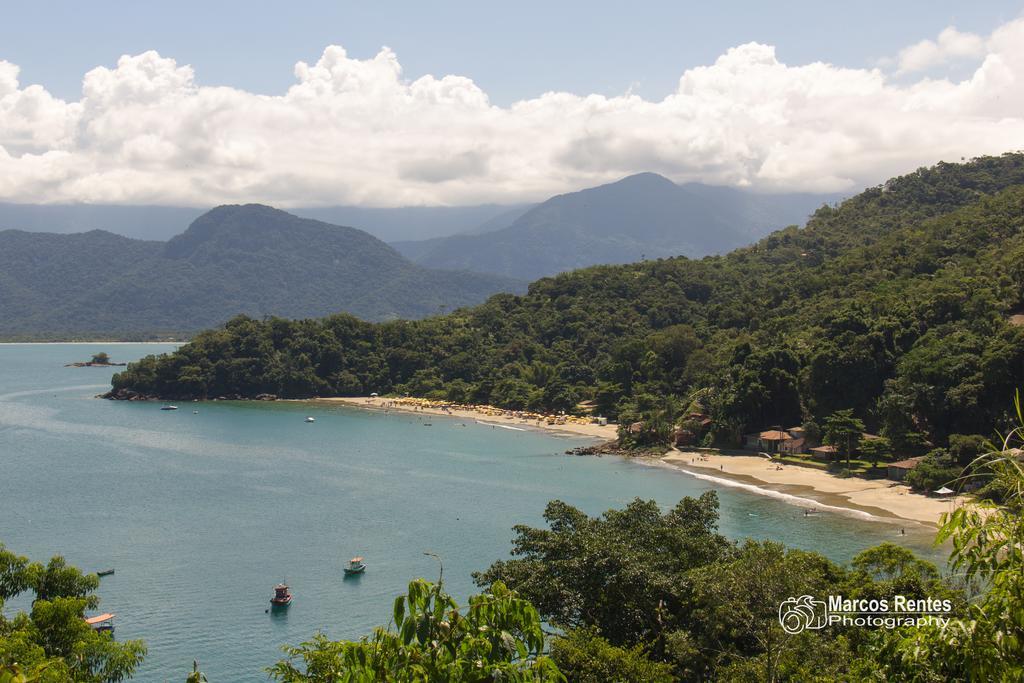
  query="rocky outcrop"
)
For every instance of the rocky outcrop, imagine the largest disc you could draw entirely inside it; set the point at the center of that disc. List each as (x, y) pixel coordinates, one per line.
(127, 395)
(131, 395)
(91, 364)
(607, 448)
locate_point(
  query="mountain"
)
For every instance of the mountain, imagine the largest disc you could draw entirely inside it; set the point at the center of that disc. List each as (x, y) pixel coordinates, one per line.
(248, 259)
(416, 249)
(164, 222)
(897, 304)
(405, 223)
(642, 216)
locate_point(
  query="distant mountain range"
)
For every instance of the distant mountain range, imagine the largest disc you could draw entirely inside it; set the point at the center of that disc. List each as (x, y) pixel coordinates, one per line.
(641, 216)
(261, 261)
(164, 222)
(249, 259)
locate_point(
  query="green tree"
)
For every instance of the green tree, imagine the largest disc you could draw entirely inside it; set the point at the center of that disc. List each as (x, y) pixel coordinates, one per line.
(876, 450)
(738, 608)
(101, 358)
(498, 638)
(888, 570)
(16, 574)
(936, 470)
(965, 448)
(52, 642)
(585, 657)
(843, 430)
(986, 643)
(622, 572)
(58, 580)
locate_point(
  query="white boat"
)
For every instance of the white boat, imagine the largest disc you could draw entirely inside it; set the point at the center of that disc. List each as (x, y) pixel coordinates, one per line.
(169, 408)
(310, 419)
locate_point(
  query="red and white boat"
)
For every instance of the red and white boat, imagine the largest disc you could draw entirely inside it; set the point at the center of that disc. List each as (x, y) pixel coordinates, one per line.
(282, 596)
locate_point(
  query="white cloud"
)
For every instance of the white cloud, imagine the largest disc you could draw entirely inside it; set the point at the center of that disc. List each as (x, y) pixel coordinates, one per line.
(951, 45)
(354, 131)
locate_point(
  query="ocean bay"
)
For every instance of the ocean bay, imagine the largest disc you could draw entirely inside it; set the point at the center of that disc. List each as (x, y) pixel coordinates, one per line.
(201, 513)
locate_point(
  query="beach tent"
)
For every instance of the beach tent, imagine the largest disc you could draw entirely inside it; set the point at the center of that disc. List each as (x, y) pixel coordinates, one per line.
(944, 491)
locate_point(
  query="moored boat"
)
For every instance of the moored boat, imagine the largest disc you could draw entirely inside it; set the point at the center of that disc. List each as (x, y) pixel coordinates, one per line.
(282, 596)
(355, 566)
(310, 419)
(169, 408)
(105, 572)
(101, 623)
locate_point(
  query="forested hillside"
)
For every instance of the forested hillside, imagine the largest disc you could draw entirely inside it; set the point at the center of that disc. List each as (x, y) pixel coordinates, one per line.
(895, 304)
(234, 259)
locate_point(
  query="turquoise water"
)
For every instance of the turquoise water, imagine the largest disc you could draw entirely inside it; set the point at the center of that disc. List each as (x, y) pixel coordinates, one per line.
(201, 514)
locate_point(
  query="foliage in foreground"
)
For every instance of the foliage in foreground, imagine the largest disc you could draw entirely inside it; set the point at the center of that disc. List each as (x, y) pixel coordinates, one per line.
(52, 642)
(666, 587)
(988, 544)
(713, 615)
(498, 638)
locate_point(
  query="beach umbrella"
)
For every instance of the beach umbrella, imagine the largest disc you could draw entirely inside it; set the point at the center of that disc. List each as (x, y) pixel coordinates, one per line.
(944, 491)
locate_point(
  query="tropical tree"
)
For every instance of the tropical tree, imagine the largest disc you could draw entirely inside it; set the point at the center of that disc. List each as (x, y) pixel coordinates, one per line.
(738, 609)
(843, 430)
(987, 643)
(585, 657)
(622, 572)
(876, 450)
(52, 642)
(499, 637)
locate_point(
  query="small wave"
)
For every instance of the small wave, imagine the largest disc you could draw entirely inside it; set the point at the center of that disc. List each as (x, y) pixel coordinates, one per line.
(53, 390)
(492, 424)
(772, 493)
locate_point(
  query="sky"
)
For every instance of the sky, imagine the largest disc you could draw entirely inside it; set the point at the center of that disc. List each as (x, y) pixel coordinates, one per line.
(453, 103)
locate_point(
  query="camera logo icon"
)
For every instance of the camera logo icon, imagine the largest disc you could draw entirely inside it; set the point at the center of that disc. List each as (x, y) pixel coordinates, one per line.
(798, 614)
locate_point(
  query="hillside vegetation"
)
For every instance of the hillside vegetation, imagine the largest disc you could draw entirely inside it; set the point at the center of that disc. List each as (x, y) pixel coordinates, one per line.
(893, 304)
(234, 259)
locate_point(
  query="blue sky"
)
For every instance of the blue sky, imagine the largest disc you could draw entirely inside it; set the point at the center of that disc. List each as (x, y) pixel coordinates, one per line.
(512, 50)
(300, 104)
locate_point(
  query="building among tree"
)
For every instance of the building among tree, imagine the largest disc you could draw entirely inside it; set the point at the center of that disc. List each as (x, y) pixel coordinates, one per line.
(897, 471)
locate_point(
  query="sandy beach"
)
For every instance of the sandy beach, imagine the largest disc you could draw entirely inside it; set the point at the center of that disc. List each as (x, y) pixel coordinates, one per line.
(879, 497)
(483, 414)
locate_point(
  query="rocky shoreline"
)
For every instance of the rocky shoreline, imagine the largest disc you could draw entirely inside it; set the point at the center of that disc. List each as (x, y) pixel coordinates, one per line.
(132, 395)
(90, 364)
(606, 448)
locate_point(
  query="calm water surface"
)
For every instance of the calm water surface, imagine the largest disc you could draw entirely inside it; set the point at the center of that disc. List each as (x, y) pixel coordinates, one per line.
(201, 514)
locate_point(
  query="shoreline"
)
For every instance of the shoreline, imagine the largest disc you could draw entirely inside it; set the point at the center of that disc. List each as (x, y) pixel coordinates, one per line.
(879, 498)
(88, 343)
(479, 414)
